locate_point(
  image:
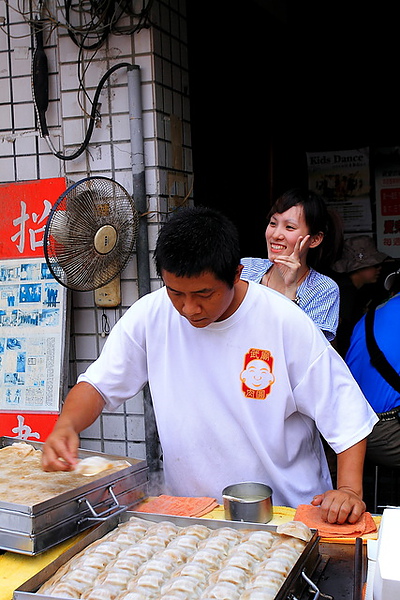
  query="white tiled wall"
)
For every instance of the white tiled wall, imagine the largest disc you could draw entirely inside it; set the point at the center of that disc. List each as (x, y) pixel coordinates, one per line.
(160, 50)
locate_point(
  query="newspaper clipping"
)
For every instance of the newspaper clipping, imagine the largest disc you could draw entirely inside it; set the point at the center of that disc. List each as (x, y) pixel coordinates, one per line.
(32, 323)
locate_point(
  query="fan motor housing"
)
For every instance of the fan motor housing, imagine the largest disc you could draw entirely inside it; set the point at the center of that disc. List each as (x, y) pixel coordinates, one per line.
(105, 239)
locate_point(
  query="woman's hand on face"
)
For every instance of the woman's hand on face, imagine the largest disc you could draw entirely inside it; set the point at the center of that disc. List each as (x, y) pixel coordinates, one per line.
(301, 245)
(289, 266)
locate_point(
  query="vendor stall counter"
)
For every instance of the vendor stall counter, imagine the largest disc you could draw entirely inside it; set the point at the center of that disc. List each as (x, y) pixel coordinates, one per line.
(341, 572)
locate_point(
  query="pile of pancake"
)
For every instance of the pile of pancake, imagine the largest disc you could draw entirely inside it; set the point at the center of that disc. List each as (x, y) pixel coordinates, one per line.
(23, 481)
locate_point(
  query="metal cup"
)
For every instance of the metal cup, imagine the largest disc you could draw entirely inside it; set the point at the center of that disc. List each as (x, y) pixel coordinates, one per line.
(248, 501)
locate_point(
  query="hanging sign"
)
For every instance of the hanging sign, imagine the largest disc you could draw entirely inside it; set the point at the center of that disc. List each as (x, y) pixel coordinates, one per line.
(387, 196)
(32, 313)
(343, 179)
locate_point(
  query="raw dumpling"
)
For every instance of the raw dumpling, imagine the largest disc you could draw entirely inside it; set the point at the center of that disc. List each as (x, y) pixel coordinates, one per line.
(284, 552)
(295, 529)
(99, 593)
(243, 561)
(222, 590)
(179, 555)
(150, 581)
(233, 575)
(266, 538)
(259, 594)
(185, 541)
(137, 595)
(183, 583)
(157, 564)
(193, 569)
(164, 529)
(256, 551)
(266, 580)
(221, 544)
(200, 531)
(279, 565)
(208, 557)
(96, 464)
(67, 589)
(229, 533)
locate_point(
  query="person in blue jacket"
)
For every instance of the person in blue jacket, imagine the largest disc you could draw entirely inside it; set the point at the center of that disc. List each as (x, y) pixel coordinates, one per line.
(383, 443)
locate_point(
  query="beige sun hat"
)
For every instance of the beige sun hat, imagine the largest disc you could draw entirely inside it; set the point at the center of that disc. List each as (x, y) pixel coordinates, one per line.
(359, 252)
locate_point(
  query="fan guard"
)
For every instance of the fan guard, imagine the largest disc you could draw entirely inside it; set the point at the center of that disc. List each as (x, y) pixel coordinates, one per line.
(90, 233)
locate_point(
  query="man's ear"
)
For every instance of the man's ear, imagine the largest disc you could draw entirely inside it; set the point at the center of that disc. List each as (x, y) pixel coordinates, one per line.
(238, 273)
(316, 239)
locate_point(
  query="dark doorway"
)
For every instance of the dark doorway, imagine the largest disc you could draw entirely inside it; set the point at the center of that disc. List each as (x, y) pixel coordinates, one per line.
(266, 88)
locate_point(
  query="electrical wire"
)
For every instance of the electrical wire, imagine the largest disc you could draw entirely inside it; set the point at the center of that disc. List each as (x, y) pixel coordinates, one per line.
(105, 325)
(100, 19)
(93, 117)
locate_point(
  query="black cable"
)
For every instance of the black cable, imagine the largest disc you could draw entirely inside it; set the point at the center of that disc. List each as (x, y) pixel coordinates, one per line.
(105, 325)
(93, 114)
(103, 16)
(107, 17)
(40, 86)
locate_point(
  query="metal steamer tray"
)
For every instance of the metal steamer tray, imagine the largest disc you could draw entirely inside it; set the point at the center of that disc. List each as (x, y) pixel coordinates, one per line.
(298, 579)
(31, 529)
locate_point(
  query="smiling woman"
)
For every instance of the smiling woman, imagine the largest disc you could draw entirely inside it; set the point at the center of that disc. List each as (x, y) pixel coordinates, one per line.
(302, 236)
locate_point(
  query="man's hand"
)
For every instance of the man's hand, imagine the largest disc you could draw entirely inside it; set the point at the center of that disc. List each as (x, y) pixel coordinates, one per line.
(339, 506)
(82, 406)
(60, 451)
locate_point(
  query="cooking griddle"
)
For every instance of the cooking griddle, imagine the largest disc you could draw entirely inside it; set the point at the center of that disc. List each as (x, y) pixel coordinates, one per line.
(33, 528)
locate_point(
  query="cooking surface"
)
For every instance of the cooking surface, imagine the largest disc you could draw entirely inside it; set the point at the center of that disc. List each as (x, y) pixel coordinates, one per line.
(22, 480)
(39, 510)
(335, 575)
(154, 551)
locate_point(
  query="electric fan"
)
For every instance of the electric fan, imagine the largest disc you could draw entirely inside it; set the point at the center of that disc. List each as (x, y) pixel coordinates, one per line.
(90, 233)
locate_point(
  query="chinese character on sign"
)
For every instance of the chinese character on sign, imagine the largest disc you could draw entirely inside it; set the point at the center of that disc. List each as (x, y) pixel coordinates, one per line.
(391, 226)
(24, 431)
(35, 239)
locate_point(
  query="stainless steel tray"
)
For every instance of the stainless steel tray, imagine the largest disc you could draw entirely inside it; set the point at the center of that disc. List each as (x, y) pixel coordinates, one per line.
(297, 580)
(32, 529)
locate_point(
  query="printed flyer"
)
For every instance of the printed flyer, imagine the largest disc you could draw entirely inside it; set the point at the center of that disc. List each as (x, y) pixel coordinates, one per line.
(31, 336)
(343, 179)
(387, 196)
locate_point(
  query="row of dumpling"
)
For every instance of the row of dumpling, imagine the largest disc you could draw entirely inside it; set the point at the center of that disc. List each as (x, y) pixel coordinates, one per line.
(223, 569)
(142, 561)
(194, 547)
(124, 549)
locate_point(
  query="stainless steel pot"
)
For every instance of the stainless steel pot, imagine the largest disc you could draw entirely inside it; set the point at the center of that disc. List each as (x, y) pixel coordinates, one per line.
(248, 501)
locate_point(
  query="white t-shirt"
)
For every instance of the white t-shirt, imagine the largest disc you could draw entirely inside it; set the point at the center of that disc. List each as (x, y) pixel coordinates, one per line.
(238, 400)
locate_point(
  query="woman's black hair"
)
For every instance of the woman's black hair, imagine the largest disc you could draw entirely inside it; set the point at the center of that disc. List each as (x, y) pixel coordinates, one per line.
(318, 217)
(196, 240)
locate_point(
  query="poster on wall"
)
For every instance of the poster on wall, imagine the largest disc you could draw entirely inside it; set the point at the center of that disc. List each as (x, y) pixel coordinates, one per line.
(32, 313)
(387, 197)
(343, 179)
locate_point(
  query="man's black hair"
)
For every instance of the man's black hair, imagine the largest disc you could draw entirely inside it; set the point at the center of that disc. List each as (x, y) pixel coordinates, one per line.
(196, 240)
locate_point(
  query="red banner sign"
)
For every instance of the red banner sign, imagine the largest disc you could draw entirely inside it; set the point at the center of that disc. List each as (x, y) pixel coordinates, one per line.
(25, 209)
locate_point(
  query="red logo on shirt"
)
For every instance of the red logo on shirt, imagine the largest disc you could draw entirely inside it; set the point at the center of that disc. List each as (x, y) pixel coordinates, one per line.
(257, 377)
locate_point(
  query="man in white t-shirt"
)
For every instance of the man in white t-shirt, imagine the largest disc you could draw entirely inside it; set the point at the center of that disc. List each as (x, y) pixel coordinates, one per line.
(242, 381)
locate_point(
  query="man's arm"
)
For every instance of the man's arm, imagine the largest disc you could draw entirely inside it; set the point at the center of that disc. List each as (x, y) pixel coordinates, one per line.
(345, 503)
(82, 406)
